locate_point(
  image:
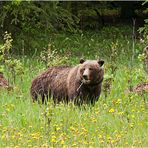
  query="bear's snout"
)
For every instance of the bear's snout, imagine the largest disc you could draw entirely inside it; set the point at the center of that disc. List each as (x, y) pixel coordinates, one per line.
(85, 77)
(86, 74)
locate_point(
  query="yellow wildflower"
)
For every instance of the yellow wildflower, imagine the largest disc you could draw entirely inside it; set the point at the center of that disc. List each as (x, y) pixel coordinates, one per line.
(100, 136)
(58, 128)
(132, 125)
(62, 142)
(53, 139)
(120, 113)
(112, 141)
(111, 110)
(74, 144)
(101, 141)
(72, 128)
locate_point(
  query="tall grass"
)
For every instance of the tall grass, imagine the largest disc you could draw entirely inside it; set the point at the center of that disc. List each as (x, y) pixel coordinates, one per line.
(120, 119)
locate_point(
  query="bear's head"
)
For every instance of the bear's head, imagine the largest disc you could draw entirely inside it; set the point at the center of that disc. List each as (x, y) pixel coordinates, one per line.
(91, 71)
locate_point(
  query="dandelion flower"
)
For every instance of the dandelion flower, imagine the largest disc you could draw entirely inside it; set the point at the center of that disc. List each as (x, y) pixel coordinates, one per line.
(111, 110)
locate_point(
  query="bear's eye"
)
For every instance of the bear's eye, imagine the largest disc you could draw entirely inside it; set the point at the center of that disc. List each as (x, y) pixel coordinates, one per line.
(90, 68)
(82, 69)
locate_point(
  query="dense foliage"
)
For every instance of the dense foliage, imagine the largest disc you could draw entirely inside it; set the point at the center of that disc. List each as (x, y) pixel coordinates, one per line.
(32, 23)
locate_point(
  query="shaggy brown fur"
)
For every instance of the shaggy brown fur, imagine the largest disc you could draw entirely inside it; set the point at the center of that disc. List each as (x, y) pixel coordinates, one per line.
(40, 84)
(80, 84)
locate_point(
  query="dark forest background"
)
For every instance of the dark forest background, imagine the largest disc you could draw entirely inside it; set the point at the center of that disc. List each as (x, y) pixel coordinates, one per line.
(33, 23)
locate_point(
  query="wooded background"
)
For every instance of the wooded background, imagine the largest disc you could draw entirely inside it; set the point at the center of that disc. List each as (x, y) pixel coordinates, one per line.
(30, 22)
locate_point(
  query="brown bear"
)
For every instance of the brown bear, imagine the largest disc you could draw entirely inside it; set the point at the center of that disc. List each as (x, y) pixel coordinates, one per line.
(80, 84)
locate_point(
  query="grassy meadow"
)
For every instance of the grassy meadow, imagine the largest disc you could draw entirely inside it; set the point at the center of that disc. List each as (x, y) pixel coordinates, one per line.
(118, 119)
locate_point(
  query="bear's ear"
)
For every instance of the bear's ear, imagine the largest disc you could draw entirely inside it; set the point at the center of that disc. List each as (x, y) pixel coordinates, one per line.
(82, 61)
(100, 62)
